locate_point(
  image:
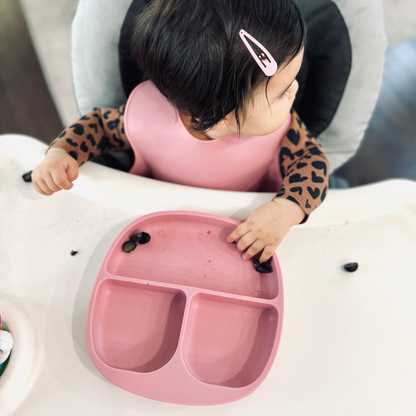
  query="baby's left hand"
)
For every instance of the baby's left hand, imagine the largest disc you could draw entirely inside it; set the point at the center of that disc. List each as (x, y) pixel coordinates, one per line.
(266, 227)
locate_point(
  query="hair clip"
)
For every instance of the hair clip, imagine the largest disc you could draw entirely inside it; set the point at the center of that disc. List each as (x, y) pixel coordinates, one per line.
(264, 60)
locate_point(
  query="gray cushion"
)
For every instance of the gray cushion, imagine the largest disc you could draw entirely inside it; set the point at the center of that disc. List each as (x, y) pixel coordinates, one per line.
(95, 64)
(326, 64)
(364, 19)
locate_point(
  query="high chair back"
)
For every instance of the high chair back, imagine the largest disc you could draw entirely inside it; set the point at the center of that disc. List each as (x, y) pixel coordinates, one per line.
(339, 80)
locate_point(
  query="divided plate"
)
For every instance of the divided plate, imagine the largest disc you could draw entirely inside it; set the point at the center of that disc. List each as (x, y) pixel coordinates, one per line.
(183, 319)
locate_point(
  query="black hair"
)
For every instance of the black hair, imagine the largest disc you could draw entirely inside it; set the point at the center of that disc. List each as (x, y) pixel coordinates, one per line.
(191, 50)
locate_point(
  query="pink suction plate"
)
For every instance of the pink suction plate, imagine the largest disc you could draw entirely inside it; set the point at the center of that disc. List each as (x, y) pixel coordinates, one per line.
(183, 319)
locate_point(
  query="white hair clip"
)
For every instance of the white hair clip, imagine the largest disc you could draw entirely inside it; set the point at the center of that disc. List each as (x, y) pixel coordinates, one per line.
(264, 60)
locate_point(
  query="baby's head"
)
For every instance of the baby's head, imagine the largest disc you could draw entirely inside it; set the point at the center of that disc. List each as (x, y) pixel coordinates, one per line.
(193, 53)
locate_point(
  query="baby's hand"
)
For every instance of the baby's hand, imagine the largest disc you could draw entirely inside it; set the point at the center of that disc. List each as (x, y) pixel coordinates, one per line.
(56, 172)
(266, 227)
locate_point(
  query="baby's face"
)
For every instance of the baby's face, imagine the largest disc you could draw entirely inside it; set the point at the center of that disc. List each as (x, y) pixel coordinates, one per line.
(266, 116)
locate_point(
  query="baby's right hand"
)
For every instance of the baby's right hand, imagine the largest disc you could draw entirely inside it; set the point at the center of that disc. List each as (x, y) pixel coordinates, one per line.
(56, 172)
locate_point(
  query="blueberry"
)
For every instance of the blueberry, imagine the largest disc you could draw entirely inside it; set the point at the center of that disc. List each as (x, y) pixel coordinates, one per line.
(129, 246)
(351, 267)
(261, 267)
(141, 238)
(73, 252)
(27, 177)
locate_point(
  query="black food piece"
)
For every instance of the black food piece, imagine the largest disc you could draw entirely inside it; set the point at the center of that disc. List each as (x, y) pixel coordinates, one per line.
(73, 252)
(27, 177)
(262, 267)
(141, 238)
(351, 267)
(129, 246)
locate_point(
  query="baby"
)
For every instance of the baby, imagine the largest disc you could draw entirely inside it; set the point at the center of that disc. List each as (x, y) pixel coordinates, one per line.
(215, 112)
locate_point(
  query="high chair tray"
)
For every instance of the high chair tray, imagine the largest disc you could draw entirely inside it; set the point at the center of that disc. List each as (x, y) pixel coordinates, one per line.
(183, 319)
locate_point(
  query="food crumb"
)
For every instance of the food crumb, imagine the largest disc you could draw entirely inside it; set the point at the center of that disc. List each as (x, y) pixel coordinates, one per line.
(262, 267)
(27, 177)
(73, 252)
(129, 246)
(351, 267)
(141, 238)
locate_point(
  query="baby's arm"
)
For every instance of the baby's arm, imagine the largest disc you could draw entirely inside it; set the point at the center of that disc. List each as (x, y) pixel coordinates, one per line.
(100, 130)
(305, 183)
(304, 168)
(93, 134)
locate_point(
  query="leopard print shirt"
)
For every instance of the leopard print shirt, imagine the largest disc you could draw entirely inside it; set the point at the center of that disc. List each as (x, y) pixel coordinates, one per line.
(303, 165)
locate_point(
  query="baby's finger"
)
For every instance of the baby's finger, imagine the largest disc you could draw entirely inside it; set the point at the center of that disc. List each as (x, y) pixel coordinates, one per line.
(255, 248)
(51, 183)
(246, 240)
(38, 188)
(61, 179)
(238, 232)
(72, 171)
(268, 251)
(44, 187)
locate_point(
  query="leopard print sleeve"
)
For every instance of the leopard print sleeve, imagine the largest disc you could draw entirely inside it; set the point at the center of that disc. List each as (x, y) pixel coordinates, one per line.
(100, 130)
(304, 168)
